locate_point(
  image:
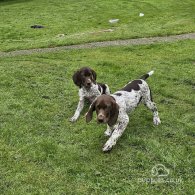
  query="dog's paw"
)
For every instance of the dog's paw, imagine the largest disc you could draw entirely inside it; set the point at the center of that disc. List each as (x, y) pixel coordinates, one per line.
(107, 147)
(156, 120)
(108, 133)
(73, 119)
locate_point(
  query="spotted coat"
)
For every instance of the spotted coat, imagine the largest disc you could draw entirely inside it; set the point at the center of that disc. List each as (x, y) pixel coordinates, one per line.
(127, 99)
(85, 79)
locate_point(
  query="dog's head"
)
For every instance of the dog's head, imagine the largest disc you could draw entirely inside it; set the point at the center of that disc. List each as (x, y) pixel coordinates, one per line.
(106, 109)
(84, 77)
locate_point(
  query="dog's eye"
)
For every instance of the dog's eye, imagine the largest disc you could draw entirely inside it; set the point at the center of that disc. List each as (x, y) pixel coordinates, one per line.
(87, 74)
(105, 107)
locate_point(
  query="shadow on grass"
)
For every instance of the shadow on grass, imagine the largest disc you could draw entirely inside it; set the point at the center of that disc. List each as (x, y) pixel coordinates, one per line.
(9, 2)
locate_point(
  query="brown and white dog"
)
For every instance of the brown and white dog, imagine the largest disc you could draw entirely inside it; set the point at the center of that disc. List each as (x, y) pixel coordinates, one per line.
(85, 79)
(113, 109)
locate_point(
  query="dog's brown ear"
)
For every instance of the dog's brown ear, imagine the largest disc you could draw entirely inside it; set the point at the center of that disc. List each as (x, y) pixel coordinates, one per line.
(94, 75)
(89, 114)
(113, 114)
(77, 78)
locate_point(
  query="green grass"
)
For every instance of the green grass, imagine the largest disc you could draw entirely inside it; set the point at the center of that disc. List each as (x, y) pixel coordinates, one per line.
(83, 21)
(41, 152)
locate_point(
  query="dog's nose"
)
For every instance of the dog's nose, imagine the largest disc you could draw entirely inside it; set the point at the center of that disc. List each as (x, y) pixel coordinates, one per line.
(88, 82)
(100, 118)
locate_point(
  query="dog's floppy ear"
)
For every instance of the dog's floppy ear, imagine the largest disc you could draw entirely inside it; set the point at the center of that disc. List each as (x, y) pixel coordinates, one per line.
(113, 114)
(94, 74)
(89, 114)
(77, 78)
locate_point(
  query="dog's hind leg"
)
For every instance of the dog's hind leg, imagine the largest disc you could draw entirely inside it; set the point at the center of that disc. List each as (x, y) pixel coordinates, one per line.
(147, 100)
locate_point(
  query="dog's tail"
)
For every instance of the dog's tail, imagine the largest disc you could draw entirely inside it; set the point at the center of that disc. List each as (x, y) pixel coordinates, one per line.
(145, 76)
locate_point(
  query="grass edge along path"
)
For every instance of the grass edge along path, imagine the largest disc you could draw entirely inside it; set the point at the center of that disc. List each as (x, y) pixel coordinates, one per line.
(139, 41)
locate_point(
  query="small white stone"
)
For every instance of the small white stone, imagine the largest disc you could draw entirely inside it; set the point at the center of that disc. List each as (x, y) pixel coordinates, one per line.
(141, 14)
(112, 21)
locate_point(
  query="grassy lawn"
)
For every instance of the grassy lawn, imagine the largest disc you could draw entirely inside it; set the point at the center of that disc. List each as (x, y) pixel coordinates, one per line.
(85, 21)
(41, 152)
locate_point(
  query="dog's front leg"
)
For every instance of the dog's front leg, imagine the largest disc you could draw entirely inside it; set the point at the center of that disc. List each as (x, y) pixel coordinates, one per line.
(118, 131)
(108, 131)
(78, 110)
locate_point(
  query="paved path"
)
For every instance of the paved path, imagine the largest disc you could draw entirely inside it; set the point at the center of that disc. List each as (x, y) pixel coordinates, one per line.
(128, 42)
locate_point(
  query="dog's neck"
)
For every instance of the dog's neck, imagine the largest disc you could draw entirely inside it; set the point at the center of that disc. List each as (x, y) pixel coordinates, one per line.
(93, 86)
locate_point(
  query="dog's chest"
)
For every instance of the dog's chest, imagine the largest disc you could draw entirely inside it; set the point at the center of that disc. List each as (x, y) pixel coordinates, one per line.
(90, 94)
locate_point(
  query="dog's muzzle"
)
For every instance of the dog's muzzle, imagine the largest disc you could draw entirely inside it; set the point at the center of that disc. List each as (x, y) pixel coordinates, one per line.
(101, 118)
